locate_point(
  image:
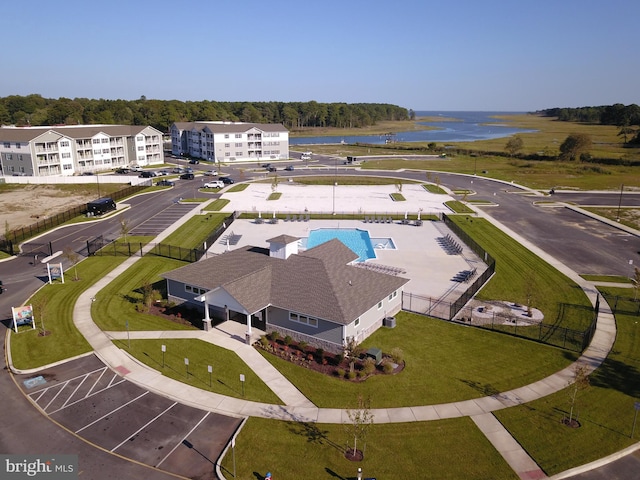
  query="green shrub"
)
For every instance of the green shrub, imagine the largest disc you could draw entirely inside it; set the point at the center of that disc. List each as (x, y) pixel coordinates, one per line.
(351, 375)
(397, 354)
(340, 372)
(387, 368)
(264, 341)
(287, 340)
(274, 336)
(319, 354)
(362, 374)
(369, 366)
(303, 345)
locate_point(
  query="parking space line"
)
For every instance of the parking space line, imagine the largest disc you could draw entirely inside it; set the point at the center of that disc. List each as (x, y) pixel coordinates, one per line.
(73, 393)
(42, 392)
(104, 370)
(111, 384)
(69, 380)
(185, 437)
(112, 412)
(56, 395)
(144, 426)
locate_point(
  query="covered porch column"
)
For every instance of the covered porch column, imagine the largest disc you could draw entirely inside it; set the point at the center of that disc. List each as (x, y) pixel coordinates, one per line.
(206, 321)
(248, 332)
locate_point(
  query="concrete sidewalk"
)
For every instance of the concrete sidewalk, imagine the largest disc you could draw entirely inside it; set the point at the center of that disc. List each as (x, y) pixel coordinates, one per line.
(296, 406)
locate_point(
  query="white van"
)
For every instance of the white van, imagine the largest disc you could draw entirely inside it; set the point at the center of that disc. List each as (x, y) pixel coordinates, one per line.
(214, 184)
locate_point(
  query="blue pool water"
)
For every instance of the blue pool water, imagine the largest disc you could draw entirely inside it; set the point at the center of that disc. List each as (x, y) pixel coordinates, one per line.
(357, 240)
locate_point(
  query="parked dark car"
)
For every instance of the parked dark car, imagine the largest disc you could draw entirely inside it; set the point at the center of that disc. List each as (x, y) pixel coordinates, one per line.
(100, 206)
(122, 170)
(272, 169)
(187, 176)
(266, 165)
(165, 183)
(289, 168)
(227, 180)
(193, 161)
(147, 174)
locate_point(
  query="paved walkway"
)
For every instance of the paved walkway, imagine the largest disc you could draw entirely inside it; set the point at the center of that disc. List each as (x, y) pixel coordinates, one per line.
(297, 407)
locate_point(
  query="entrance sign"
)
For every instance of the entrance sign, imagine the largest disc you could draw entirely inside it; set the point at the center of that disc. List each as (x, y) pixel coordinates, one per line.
(23, 316)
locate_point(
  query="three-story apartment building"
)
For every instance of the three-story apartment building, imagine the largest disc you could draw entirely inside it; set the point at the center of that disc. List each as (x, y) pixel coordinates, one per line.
(230, 141)
(77, 149)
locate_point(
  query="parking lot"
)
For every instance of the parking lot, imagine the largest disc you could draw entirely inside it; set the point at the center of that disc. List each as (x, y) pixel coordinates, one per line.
(105, 409)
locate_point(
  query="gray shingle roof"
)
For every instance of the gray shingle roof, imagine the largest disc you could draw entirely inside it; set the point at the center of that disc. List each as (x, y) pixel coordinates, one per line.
(26, 134)
(231, 127)
(319, 282)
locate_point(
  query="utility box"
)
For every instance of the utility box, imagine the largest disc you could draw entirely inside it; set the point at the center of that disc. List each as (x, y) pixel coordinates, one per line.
(376, 354)
(389, 322)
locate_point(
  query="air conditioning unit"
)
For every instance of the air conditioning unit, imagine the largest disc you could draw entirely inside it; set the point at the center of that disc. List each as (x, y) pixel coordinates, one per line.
(389, 322)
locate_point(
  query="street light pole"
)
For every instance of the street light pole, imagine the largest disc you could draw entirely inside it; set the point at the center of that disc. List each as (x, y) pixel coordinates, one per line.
(620, 202)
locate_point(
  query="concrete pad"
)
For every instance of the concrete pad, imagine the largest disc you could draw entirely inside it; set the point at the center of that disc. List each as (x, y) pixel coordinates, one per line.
(425, 413)
(447, 410)
(399, 415)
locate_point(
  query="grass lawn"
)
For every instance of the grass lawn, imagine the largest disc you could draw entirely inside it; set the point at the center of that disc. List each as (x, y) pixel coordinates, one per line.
(605, 410)
(116, 303)
(560, 299)
(458, 207)
(217, 205)
(349, 180)
(54, 304)
(431, 188)
(607, 278)
(226, 366)
(627, 216)
(238, 187)
(195, 230)
(444, 449)
(445, 362)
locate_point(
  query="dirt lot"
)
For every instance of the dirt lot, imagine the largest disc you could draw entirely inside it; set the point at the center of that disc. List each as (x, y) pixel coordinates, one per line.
(22, 205)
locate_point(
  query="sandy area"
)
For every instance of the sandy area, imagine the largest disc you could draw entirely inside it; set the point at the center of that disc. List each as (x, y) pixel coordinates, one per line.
(26, 205)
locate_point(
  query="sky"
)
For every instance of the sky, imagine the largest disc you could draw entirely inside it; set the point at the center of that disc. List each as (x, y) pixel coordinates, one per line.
(486, 55)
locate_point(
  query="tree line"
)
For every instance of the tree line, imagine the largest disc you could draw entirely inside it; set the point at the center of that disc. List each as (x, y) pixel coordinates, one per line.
(35, 110)
(627, 117)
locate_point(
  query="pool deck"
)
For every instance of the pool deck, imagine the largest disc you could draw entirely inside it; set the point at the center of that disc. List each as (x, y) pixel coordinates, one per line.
(428, 266)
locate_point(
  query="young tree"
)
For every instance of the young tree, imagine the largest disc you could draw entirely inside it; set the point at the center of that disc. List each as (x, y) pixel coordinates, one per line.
(514, 145)
(360, 419)
(579, 382)
(636, 283)
(74, 258)
(351, 352)
(149, 295)
(125, 228)
(274, 183)
(399, 187)
(575, 145)
(530, 288)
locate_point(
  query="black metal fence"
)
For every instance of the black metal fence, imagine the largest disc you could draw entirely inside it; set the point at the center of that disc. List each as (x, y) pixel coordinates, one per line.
(511, 324)
(13, 238)
(100, 246)
(624, 305)
(517, 325)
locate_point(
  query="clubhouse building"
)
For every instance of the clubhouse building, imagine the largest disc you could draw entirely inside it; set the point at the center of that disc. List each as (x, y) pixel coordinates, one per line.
(318, 296)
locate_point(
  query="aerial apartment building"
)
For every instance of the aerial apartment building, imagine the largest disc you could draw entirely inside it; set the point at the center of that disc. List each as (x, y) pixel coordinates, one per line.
(230, 141)
(77, 149)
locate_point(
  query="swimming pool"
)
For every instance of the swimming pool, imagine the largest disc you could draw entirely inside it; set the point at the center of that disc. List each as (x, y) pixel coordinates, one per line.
(357, 240)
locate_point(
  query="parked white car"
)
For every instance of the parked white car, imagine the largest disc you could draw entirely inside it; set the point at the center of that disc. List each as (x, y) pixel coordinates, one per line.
(216, 184)
(211, 173)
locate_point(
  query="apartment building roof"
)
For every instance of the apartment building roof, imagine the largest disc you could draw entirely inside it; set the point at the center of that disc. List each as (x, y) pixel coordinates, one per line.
(231, 127)
(26, 134)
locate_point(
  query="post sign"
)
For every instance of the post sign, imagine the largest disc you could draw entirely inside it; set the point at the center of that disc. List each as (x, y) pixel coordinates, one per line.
(23, 316)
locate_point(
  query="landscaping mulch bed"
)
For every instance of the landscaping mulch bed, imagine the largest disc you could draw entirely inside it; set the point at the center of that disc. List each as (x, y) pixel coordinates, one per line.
(334, 365)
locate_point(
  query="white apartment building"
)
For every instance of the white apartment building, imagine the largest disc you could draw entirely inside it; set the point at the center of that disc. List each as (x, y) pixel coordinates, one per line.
(77, 149)
(230, 141)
